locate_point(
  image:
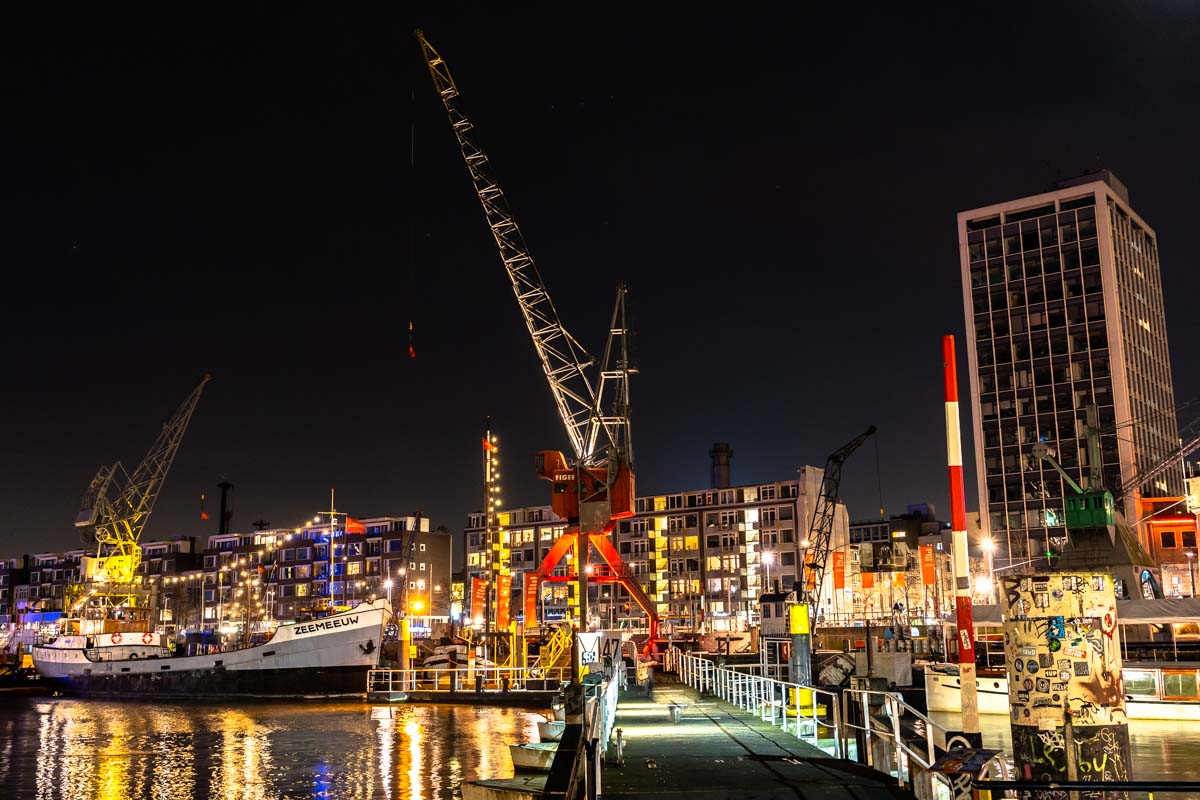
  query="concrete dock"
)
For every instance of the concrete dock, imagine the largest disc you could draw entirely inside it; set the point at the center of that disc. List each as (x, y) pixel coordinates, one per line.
(717, 751)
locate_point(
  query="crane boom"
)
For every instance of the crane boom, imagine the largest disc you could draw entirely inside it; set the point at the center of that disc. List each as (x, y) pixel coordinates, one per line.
(1180, 453)
(117, 505)
(821, 533)
(597, 488)
(564, 360)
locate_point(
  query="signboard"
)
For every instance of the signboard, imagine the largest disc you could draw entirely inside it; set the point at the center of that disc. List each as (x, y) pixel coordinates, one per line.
(928, 568)
(530, 595)
(589, 648)
(503, 601)
(868, 580)
(839, 570)
(478, 594)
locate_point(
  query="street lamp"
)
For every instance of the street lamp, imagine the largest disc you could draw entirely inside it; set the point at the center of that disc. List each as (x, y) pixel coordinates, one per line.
(1191, 555)
(986, 585)
(768, 558)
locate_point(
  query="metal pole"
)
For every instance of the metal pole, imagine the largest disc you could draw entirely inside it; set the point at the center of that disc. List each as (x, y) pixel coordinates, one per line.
(958, 549)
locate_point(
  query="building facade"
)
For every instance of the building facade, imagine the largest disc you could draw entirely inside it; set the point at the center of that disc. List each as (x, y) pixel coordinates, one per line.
(703, 557)
(1064, 310)
(285, 573)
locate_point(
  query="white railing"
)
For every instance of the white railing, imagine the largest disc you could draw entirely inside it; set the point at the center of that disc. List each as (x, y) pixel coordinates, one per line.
(482, 679)
(804, 711)
(885, 748)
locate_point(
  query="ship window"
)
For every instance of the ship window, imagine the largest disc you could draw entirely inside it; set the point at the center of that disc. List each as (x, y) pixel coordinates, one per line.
(1141, 683)
(1180, 685)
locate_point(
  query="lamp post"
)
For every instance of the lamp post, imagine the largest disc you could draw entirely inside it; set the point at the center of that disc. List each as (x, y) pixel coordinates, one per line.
(989, 548)
(1191, 556)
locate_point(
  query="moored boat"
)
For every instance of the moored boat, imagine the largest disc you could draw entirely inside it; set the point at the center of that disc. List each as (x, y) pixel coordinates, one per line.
(1152, 691)
(551, 730)
(322, 657)
(536, 755)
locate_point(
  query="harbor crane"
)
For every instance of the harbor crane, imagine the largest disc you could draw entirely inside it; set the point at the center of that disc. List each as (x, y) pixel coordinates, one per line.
(595, 487)
(820, 536)
(117, 506)
(1099, 534)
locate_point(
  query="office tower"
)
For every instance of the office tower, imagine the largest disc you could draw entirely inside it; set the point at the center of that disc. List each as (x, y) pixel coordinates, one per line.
(1064, 309)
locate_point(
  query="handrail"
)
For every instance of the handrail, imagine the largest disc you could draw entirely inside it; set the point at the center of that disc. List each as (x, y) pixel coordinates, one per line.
(894, 707)
(769, 699)
(466, 679)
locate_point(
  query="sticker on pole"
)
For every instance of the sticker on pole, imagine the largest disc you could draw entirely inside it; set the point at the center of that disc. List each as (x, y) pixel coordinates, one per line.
(589, 648)
(965, 639)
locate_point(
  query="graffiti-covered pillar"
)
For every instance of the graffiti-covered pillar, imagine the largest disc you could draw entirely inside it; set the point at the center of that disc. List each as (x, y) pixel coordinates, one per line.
(1065, 692)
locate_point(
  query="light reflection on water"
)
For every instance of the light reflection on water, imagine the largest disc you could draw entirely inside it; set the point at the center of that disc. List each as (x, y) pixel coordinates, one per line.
(95, 750)
(1160, 749)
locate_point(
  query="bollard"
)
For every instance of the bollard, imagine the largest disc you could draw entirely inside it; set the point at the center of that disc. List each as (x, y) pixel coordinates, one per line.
(676, 713)
(620, 747)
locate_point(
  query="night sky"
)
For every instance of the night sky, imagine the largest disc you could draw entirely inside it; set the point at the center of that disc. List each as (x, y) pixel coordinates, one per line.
(236, 191)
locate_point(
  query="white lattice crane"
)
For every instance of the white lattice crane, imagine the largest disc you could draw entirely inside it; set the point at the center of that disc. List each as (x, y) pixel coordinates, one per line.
(596, 487)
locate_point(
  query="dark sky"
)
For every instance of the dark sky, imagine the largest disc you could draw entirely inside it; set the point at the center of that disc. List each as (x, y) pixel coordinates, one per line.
(229, 190)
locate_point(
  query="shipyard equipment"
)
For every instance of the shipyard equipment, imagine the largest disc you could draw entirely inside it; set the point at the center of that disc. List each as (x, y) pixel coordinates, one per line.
(593, 487)
(820, 536)
(117, 505)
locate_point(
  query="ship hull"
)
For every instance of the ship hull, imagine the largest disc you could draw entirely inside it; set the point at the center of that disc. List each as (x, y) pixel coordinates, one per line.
(325, 657)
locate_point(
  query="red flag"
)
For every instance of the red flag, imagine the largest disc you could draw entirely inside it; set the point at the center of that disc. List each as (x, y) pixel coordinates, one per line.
(928, 568)
(839, 569)
(354, 526)
(530, 596)
(503, 601)
(491, 448)
(412, 353)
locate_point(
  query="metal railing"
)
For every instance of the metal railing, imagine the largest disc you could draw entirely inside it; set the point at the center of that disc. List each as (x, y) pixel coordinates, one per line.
(479, 679)
(885, 747)
(804, 711)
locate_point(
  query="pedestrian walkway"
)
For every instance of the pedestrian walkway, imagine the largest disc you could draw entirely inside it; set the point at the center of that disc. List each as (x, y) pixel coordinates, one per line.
(717, 751)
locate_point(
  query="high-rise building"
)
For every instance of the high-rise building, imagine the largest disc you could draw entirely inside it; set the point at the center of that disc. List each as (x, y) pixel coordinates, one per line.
(1064, 309)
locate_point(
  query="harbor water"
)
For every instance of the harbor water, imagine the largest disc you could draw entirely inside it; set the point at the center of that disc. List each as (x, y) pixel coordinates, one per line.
(52, 748)
(1161, 749)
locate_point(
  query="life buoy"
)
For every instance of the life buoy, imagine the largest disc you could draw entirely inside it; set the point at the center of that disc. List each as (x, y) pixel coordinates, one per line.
(116, 638)
(147, 637)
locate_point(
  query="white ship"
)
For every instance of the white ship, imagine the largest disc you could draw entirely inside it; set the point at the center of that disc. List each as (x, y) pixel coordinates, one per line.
(321, 657)
(1152, 691)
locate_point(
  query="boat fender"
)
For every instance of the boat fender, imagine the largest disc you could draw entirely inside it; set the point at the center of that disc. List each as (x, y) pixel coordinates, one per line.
(116, 638)
(147, 637)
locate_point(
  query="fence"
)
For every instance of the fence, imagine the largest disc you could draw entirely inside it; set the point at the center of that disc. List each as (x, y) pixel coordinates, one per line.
(810, 714)
(479, 679)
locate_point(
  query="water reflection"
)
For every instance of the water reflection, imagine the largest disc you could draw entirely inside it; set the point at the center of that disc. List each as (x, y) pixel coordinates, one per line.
(1160, 749)
(92, 750)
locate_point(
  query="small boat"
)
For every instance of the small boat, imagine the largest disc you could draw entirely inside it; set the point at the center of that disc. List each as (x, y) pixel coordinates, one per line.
(536, 755)
(451, 656)
(551, 731)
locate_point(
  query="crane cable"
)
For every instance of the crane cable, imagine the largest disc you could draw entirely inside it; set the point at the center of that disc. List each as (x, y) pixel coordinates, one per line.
(412, 246)
(878, 479)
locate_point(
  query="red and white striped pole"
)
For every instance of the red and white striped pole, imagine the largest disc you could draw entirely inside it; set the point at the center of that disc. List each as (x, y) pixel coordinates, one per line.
(958, 546)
